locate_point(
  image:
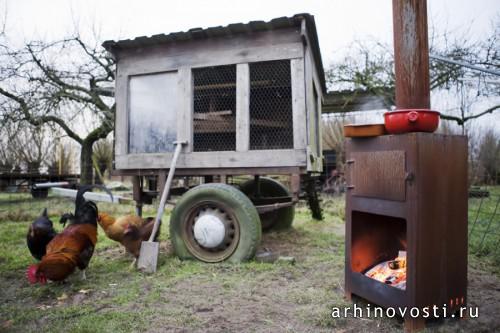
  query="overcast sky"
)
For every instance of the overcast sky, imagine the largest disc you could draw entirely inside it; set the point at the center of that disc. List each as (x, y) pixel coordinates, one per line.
(338, 22)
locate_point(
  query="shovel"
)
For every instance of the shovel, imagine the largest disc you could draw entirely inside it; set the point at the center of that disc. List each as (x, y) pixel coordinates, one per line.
(148, 257)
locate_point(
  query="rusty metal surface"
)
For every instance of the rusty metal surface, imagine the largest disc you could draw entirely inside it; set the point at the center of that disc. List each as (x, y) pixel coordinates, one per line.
(379, 174)
(411, 54)
(272, 207)
(434, 215)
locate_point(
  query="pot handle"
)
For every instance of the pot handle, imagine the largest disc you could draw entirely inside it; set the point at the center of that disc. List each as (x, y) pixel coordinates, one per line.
(412, 116)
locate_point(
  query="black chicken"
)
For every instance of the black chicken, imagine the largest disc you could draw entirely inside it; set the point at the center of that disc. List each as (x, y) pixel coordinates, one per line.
(85, 211)
(40, 233)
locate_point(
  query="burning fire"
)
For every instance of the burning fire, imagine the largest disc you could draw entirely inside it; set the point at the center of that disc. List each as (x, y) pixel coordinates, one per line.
(392, 272)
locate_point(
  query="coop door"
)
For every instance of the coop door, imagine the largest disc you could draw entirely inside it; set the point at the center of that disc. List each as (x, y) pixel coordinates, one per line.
(380, 174)
(152, 113)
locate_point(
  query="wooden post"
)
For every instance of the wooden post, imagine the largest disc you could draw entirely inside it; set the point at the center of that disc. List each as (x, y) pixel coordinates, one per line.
(411, 54)
(137, 194)
(162, 179)
(242, 107)
(295, 186)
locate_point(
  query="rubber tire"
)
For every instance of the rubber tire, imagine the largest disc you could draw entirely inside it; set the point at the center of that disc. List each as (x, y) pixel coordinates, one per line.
(281, 219)
(243, 209)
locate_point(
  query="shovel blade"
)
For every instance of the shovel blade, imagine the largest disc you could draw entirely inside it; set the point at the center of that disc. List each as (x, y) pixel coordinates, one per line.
(148, 257)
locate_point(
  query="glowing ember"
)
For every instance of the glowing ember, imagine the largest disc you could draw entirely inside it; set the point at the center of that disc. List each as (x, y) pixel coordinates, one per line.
(392, 272)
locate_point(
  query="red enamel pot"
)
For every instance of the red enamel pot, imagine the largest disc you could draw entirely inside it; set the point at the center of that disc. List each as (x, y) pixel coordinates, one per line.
(411, 120)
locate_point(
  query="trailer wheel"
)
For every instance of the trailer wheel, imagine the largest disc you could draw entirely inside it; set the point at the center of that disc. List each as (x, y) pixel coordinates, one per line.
(213, 223)
(279, 219)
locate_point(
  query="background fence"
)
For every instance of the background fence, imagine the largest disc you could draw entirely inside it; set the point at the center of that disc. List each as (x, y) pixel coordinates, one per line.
(484, 222)
(483, 207)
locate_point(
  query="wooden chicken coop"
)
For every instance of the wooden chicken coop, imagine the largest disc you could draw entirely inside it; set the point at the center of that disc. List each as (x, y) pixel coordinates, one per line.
(246, 98)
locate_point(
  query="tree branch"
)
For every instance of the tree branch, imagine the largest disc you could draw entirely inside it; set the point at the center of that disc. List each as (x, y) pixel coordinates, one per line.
(37, 121)
(461, 121)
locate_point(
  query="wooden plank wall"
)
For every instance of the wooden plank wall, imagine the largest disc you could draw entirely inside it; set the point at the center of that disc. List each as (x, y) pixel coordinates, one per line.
(239, 50)
(312, 83)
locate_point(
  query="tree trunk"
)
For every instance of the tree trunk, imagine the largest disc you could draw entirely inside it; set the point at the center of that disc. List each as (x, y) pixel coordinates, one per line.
(86, 167)
(100, 173)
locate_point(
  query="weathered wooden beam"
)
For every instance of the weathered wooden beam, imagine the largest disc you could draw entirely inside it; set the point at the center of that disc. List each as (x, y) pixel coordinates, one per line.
(298, 103)
(242, 107)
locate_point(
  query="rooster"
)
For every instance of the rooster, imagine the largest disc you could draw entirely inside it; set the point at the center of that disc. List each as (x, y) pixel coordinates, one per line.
(134, 236)
(73, 247)
(128, 230)
(40, 233)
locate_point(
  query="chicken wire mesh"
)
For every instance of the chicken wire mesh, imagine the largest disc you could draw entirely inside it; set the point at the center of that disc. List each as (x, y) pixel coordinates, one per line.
(214, 123)
(271, 122)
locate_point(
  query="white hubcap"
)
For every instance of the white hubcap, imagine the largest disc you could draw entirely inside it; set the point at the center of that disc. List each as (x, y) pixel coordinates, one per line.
(209, 230)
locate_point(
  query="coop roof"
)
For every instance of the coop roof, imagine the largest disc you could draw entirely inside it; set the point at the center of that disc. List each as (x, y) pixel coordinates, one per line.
(229, 30)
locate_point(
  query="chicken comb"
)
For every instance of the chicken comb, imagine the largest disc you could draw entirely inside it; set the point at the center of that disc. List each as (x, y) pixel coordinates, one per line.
(31, 274)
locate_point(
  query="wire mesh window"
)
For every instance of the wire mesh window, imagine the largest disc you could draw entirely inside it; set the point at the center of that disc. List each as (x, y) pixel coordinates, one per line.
(214, 108)
(271, 122)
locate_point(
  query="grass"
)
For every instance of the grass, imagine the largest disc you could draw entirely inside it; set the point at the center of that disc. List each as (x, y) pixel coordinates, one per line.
(114, 297)
(484, 227)
(182, 295)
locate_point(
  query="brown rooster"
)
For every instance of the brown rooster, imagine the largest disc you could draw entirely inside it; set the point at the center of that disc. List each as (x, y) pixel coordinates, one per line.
(73, 247)
(134, 236)
(128, 230)
(114, 228)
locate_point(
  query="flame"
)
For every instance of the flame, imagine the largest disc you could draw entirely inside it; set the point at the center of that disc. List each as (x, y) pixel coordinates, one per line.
(392, 272)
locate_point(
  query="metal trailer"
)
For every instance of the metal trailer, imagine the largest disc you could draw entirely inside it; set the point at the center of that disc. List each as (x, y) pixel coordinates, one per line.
(30, 180)
(247, 100)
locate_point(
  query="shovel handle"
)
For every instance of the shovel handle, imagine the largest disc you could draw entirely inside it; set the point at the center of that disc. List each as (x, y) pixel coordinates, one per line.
(166, 188)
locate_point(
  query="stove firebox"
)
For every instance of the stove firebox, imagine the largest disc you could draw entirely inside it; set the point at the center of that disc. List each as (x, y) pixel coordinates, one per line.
(406, 211)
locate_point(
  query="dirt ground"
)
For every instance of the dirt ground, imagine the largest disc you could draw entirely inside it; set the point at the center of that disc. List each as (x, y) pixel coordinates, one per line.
(195, 297)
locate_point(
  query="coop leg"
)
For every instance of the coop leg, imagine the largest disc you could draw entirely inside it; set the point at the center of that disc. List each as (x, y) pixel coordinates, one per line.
(138, 209)
(162, 178)
(295, 186)
(257, 186)
(137, 191)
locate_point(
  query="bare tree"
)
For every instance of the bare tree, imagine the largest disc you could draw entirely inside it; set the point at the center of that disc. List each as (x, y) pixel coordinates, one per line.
(8, 159)
(102, 158)
(62, 83)
(370, 67)
(61, 158)
(25, 147)
(489, 158)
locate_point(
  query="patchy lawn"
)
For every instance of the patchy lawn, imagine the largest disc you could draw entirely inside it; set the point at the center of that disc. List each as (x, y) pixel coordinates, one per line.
(191, 296)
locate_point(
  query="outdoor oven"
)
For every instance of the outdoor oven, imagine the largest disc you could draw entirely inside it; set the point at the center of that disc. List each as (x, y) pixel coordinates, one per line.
(406, 221)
